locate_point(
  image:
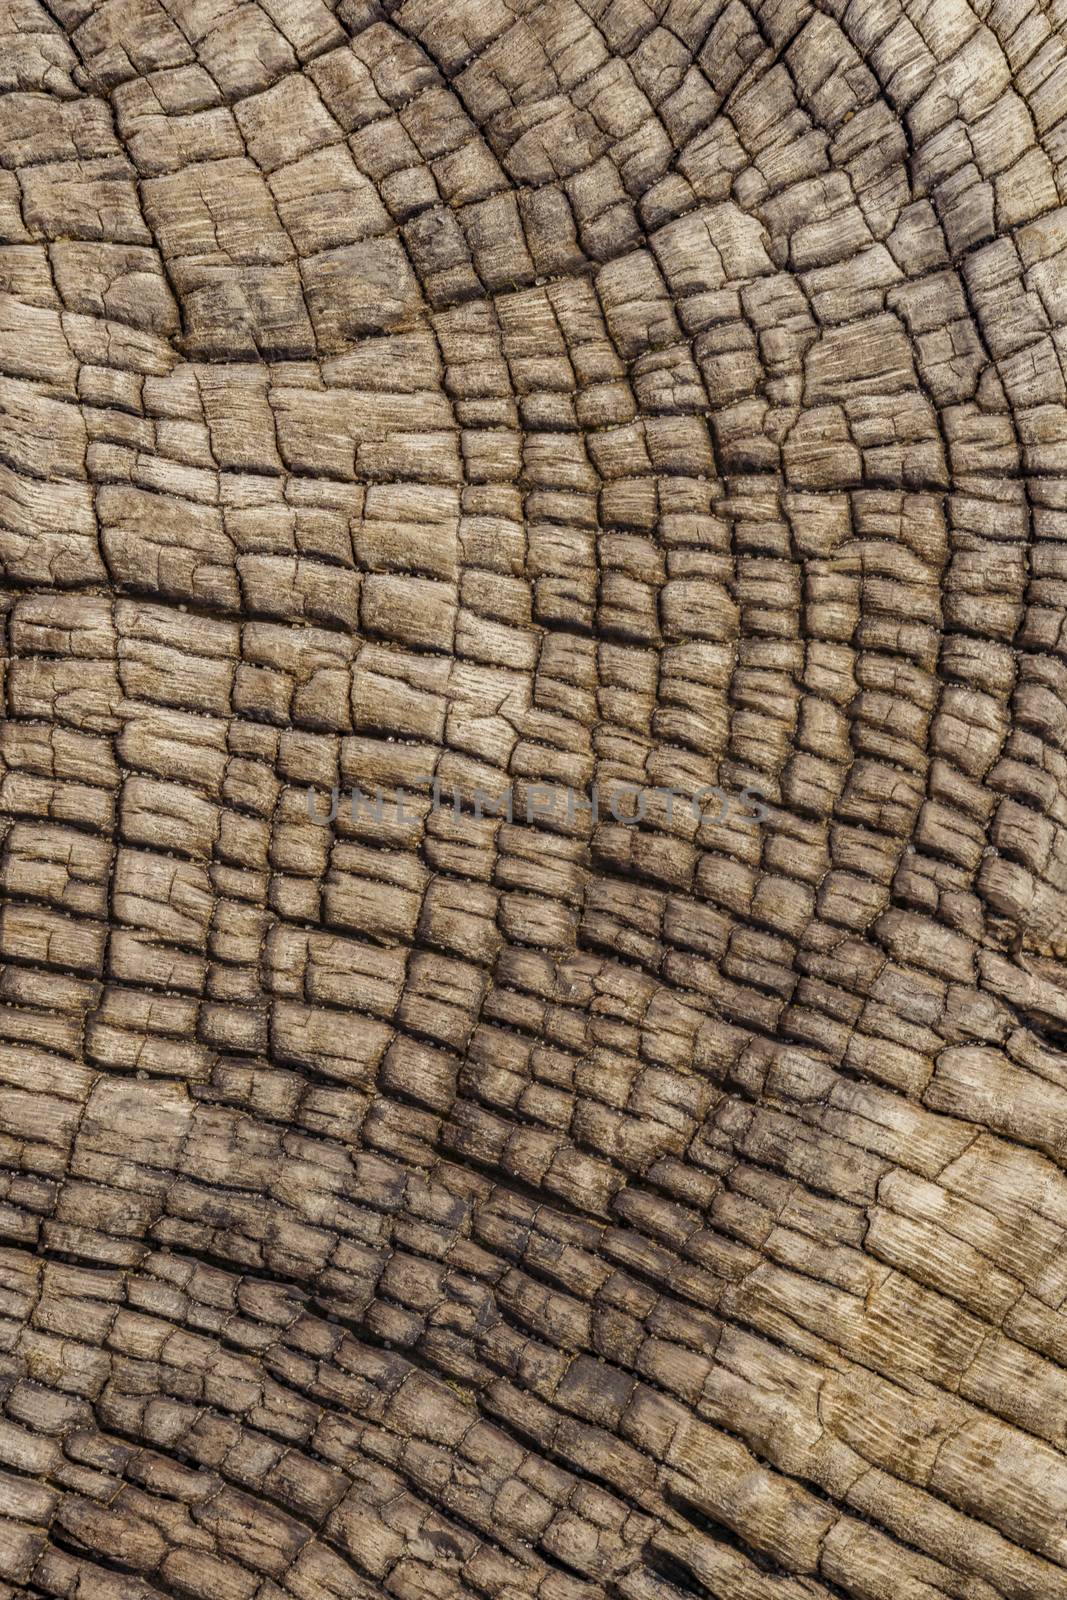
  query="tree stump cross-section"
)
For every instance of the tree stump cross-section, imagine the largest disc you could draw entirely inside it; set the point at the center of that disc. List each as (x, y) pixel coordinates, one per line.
(533, 799)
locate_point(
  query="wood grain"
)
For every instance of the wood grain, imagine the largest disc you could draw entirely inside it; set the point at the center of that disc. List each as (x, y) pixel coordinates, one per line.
(655, 393)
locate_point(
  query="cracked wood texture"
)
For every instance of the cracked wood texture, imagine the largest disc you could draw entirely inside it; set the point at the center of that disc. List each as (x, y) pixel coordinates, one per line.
(659, 392)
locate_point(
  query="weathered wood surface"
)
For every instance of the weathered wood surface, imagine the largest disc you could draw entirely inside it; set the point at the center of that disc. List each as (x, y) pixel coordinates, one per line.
(663, 392)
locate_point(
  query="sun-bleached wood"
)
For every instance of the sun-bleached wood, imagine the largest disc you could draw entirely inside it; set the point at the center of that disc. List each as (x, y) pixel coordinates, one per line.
(655, 393)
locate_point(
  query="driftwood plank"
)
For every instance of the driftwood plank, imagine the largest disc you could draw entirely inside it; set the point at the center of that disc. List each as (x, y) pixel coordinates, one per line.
(533, 800)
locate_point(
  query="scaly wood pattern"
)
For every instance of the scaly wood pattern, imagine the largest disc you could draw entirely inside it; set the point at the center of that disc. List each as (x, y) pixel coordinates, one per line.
(634, 392)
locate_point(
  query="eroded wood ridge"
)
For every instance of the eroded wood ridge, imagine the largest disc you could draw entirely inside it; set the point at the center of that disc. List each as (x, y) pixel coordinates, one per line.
(663, 393)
